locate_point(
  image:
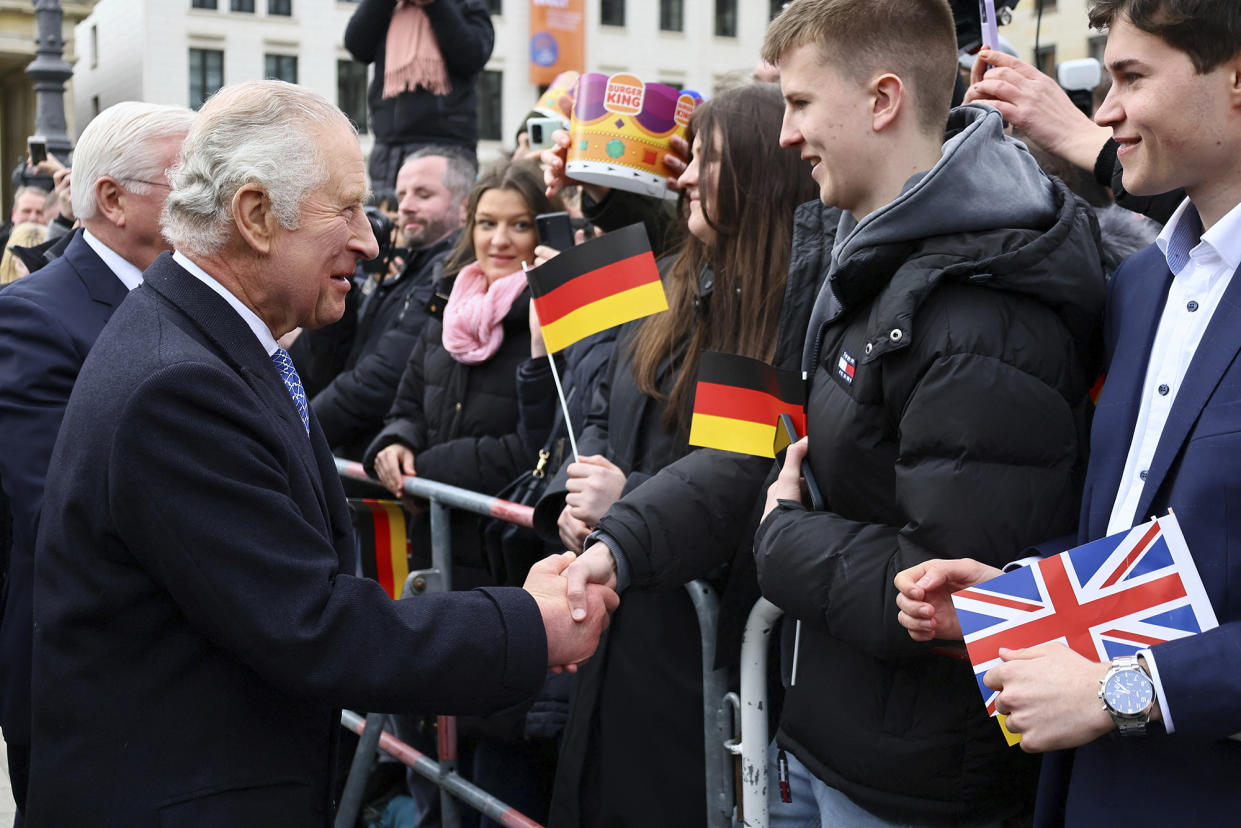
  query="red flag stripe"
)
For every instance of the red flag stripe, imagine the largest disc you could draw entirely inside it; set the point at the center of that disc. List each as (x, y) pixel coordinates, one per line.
(745, 404)
(999, 600)
(1133, 555)
(383, 543)
(1126, 635)
(606, 281)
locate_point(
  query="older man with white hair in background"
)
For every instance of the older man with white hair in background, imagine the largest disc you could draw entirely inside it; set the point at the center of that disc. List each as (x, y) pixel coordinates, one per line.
(197, 617)
(48, 323)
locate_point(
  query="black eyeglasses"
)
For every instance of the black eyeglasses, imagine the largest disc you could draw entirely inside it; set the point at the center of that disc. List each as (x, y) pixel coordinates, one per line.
(152, 183)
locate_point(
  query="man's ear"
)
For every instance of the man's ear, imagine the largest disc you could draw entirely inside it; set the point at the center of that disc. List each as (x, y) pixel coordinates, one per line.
(1234, 81)
(252, 214)
(465, 211)
(890, 99)
(110, 200)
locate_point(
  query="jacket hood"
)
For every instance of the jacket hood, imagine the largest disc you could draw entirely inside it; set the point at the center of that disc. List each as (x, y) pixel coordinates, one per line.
(985, 213)
(984, 179)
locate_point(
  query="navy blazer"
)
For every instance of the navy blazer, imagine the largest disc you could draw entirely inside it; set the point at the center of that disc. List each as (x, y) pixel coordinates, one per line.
(48, 322)
(197, 620)
(1196, 471)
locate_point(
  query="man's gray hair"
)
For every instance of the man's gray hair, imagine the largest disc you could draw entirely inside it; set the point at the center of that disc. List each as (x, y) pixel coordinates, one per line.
(460, 168)
(261, 132)
(118, 143)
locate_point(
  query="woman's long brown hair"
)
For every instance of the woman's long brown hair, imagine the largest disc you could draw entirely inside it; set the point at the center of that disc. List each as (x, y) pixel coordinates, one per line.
(759, 184)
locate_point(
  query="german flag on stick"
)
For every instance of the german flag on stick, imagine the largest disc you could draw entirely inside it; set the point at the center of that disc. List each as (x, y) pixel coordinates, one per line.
(738, 400)
(595, 286)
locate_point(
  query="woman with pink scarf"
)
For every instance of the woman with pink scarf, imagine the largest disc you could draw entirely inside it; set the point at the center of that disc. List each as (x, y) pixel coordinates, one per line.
(455, 417)
(455, 420)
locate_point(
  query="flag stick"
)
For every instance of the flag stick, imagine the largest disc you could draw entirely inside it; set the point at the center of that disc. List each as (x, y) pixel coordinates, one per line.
(551, 360)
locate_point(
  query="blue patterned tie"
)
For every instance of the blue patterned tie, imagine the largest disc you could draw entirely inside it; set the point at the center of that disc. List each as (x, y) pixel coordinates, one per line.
(284, 364)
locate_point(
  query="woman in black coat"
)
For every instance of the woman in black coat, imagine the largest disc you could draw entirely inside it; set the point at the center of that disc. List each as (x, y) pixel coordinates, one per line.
(633, 749)
(456, 420)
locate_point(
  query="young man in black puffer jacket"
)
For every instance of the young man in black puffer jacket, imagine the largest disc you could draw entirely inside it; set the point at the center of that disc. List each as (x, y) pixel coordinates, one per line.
(948, 356)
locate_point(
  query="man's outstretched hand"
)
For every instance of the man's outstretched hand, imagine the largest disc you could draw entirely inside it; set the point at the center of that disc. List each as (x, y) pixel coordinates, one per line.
(924, 595)
(569, 642)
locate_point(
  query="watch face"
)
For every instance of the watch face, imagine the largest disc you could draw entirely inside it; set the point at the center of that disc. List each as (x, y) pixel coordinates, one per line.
(1129, 692)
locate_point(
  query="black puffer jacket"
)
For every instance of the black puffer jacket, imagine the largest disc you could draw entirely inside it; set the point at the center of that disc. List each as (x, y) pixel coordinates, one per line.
(351, 408)
(465, 36)
(702, 511)
(947, 416)
(461, 422)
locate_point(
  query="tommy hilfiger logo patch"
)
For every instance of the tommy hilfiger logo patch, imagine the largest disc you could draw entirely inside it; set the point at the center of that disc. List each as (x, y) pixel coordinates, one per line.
(846, 367)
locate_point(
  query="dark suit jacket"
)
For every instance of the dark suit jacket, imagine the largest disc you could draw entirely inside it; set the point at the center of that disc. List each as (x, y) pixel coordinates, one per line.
(1196, 471)
(48, 322)
(197, 620)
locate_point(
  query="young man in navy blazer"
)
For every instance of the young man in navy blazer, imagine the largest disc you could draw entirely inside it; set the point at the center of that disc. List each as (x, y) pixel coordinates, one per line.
(1166, 435)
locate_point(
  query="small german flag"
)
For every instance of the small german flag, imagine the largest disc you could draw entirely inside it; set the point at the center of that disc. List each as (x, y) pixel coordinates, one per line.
(737, 402)
(595, 286)
(380, 525)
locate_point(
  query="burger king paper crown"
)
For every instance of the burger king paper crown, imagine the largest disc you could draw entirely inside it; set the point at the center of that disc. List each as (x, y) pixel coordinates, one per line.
(621, 130)
(549, 101)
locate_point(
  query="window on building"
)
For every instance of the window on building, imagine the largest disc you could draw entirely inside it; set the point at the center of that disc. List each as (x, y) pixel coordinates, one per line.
(490, 93)
(777, 6)
(206, 74)
(351, 91)
(202, 4)
(612, 12)
(495, 6)
(242, 6)
(672, 15)
(280, 67)
(1045, 59)
(94, 105)
(725, 18)
(94, 46)
(280, 7)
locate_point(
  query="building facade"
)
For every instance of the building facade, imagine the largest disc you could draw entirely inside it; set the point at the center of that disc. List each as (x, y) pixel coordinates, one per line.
(179, 51)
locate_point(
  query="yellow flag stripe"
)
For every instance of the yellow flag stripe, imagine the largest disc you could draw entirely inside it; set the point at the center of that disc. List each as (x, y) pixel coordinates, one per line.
(603, 314)
(710, 431)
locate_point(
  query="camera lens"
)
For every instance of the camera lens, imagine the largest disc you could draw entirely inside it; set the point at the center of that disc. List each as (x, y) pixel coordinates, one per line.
(536, 133)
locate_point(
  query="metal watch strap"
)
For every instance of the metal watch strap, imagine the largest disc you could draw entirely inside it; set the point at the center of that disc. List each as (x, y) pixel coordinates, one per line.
(1127, 725)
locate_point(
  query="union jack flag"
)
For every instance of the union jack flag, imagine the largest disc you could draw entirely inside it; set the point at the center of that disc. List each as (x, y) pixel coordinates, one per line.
(1107, 598)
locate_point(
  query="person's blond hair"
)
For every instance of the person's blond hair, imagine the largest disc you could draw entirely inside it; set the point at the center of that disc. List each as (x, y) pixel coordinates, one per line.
(26, 234)
(915, 40)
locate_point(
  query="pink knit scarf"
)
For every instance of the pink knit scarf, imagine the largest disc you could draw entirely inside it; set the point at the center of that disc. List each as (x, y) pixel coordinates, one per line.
(413, 56)
(474, 315)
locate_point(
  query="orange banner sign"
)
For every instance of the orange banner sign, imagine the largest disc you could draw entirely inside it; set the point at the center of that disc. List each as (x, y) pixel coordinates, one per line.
(557, 38)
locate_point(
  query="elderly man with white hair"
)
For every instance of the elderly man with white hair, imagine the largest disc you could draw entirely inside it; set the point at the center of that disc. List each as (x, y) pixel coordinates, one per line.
(197, 617)
(48, 323)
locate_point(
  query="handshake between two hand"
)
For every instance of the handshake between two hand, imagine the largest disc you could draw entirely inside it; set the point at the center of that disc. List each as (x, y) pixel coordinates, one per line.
(576, 597)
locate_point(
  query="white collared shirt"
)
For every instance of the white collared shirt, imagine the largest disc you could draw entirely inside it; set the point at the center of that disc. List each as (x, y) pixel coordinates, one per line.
(129, 275)
(1202, 264)
(251, 318)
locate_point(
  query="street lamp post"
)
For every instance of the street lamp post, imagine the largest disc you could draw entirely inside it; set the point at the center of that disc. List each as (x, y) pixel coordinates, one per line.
(49, 71)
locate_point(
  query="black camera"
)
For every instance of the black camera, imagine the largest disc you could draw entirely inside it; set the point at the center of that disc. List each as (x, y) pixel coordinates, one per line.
(385, 235)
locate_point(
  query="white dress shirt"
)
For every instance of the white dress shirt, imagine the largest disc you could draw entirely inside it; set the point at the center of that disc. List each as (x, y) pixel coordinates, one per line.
(251, 318)
(1202, 264)
(129, 275)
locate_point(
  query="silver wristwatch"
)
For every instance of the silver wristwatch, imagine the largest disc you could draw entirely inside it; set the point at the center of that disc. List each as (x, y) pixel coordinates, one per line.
(1128, 695)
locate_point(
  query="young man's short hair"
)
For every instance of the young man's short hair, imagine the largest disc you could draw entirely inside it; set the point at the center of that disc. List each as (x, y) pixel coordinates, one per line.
(1209, 31)
(914, 39)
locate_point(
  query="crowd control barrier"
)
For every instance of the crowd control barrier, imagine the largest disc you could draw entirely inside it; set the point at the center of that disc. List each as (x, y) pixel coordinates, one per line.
(719, 705)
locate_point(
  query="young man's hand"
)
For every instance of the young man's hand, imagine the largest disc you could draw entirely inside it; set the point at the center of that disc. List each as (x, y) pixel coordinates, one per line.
(924, 595)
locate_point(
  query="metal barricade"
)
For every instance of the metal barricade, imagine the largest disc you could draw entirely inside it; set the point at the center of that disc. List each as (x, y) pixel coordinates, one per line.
(717, 712)
(751, 744)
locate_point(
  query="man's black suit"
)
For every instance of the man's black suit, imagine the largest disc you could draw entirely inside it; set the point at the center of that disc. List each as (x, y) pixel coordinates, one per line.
(197, 622)
(48, 323)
